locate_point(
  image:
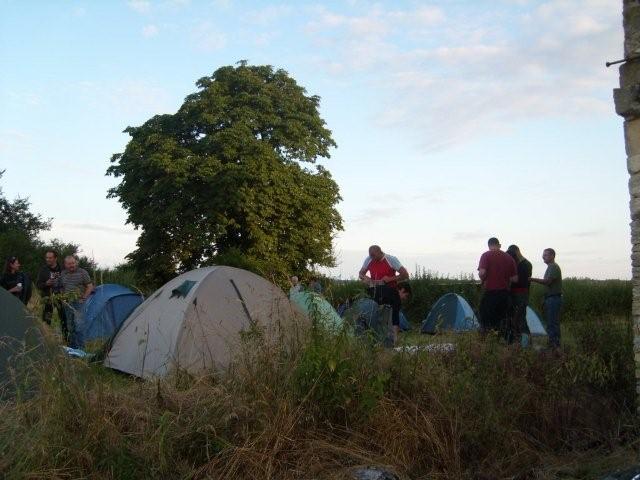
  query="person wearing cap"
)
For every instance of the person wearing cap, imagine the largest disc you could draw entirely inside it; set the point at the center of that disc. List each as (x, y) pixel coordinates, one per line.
(517, 319)
(385, 272)
(552, 305)
(14, 281)
(496, 270)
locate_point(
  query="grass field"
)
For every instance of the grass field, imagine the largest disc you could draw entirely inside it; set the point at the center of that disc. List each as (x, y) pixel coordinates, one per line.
(330, 402)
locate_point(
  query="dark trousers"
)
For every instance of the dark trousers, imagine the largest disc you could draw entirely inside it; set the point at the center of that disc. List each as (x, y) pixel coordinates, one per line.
(386, 295)
(517, 318)
(47, 314)
(493, 310)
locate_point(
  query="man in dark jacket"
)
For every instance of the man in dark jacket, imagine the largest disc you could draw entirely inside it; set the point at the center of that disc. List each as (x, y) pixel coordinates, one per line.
(49, 284)
(517, 324)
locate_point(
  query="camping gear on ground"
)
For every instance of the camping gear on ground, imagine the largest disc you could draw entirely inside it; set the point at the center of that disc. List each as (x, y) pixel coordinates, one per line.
(629, 474)
(106, 309)
(450, 313)
(432, 348)
(196, 323)
(77, 353)
(317, 309)
(20, 339)
(372, 473)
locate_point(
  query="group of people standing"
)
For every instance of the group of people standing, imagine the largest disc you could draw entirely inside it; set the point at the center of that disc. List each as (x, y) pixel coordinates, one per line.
(62, 287)
(506, 279)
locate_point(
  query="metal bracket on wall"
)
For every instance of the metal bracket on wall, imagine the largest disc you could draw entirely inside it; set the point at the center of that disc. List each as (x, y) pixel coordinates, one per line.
(626, 59)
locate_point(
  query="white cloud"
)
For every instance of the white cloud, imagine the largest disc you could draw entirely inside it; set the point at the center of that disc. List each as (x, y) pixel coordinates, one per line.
(28, 98)
(222, 4)
(149, 31)
(98, 227)
(458, 75)
(134, 99)
(13, 141)
(207, 38)
(267, 15)
(140, 6)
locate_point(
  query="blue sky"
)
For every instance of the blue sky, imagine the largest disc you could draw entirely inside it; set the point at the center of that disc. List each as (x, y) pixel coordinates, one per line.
(455, 120)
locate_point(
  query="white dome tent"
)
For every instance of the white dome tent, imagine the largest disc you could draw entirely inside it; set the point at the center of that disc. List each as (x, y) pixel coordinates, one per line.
(195, 321)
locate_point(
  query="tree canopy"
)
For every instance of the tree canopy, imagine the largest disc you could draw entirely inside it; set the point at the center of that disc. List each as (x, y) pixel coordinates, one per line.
(231, 177)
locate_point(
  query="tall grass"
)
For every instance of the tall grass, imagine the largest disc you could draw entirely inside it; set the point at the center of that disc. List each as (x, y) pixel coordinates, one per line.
(583, 298)
(484, 411)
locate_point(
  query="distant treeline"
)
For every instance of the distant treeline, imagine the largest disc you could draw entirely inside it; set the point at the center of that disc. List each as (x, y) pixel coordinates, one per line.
(582, 297)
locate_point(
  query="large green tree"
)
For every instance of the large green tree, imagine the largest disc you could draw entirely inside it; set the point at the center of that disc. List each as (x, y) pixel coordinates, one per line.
(231, 177)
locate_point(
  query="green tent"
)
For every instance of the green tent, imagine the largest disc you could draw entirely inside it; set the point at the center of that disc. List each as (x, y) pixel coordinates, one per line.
(317, 309)
(19, 336)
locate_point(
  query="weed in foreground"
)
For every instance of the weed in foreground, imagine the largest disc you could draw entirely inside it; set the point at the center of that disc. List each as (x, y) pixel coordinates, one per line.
(313, 407)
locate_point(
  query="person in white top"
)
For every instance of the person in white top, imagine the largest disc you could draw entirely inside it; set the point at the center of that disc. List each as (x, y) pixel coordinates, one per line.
(295, 285)
(385, 272)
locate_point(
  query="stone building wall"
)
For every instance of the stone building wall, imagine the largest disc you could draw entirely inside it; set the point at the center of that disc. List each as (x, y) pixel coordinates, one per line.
(627, 102)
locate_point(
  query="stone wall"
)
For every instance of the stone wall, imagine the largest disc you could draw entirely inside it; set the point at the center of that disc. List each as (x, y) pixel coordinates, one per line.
(627, 102)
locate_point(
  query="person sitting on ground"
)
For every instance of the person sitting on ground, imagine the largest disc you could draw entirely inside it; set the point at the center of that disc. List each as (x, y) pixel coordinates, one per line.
(76, 284)
(517, 323)
(552, 296)
(382, 282)
(48, 282)
(496, 270)
(296, 286)
(14, 281)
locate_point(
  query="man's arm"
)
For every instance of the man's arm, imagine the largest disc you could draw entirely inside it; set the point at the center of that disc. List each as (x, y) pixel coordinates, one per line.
(551, 275)
(87, 290)
(395, 264)
(362, 274)
(88, 286)
(482, 268)
(401, 277)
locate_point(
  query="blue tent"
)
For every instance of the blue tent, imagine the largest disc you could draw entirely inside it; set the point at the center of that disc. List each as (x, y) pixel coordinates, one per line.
(450, 312)
(105, 310)
(533, 322)
(366, 313)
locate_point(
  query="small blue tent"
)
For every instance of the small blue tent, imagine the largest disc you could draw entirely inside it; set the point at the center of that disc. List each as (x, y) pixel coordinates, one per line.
(105, 310)
(450, 312)
(533, 322)
(366, 313)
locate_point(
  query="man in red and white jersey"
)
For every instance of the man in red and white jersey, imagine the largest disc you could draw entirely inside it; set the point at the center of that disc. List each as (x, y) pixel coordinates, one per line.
(383, 282)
